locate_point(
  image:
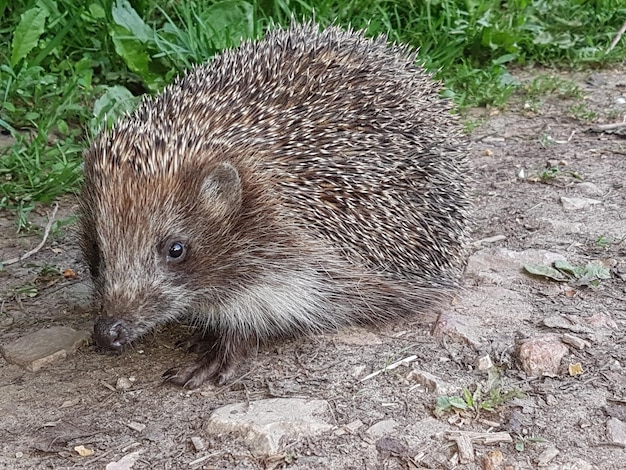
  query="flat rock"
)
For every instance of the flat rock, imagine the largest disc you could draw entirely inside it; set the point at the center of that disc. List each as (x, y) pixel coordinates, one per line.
(541, 355)
(501, 266)
(493, 305)
(574, 464)
(578, 203)
(589, 188)
(264, 423)
(382, 428)
(459, 327)
(616, 431)
(43, 347)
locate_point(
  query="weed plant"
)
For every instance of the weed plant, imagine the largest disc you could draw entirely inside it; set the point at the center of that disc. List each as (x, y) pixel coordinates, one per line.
(73, 66)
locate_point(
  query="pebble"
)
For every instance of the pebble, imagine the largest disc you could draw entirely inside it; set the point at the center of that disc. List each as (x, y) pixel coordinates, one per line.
(541, 355)
(547, 456)
(616, 431)
(36, 350)
(382, 428)
(431, 382)
(578, 203)
(198, 443)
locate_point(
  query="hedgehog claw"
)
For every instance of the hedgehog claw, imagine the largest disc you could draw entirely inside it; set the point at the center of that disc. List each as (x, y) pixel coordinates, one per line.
(218, 362)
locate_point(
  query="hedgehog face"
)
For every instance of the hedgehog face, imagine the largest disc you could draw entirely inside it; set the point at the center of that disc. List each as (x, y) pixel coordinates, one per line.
(142, 237)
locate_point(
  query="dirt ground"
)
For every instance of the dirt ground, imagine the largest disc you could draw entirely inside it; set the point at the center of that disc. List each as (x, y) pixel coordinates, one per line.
(542, 148)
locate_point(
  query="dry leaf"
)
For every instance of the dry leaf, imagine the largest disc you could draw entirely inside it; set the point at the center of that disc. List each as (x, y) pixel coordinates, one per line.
(83, 451)
(575, 369)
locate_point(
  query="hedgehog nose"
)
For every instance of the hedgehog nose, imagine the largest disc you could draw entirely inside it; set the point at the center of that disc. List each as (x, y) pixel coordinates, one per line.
(110, 333)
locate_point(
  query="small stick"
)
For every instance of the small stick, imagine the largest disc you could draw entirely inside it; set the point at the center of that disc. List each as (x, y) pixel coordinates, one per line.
(38, 247)
(482, 437)
(395, 365)
(202, 459)
(608, 127)
(617, 37)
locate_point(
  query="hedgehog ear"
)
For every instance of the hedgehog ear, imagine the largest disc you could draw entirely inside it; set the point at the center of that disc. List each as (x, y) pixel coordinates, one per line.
(221, 189)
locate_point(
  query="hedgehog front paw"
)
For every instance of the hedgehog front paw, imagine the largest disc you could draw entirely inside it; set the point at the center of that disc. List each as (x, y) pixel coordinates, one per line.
(218, 363)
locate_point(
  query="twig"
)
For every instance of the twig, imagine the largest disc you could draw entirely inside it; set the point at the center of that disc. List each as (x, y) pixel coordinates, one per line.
(608, 127)
(202, 459)
(395, 365)
(38, 247)
(617, 37)
(481, 437)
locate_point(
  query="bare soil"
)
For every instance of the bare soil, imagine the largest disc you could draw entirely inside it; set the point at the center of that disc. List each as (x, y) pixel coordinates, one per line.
(45, 415)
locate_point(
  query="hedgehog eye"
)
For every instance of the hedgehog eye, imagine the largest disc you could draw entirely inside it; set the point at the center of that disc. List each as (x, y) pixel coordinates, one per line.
(176, 251)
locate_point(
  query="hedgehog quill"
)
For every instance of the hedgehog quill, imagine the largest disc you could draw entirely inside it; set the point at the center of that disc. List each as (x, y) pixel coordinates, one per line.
(300, 183)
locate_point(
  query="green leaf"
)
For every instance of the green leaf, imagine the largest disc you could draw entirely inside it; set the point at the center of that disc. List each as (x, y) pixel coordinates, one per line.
(27, 33)
(458, 402)
(545, 271)
(115, 102)
(591, 271)
(230, 21)
(597, 271)
(125, 15)
(565, 266)
(97, 11)
(468, 398)
(442, 405)
(134, 53)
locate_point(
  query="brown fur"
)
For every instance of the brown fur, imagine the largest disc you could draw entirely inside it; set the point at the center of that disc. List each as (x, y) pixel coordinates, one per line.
(315, 179)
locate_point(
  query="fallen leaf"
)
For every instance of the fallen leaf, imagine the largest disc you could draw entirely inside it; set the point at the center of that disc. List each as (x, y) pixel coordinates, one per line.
(83, 451)
(575, 369)
(545, 271)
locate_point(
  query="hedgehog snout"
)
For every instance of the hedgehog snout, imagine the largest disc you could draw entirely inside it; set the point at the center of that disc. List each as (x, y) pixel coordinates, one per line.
(110, 333)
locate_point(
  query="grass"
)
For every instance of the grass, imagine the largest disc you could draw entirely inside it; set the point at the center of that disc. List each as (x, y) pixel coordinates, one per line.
(74, 66)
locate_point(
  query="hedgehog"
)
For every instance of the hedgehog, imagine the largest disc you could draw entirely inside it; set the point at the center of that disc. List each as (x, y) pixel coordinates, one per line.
(309, 180)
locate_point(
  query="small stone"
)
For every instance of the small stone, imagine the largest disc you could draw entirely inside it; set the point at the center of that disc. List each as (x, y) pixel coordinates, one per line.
(431, 382)
(136, 426)
(578, 203)
(616, 431)
(484, 362)
(123, 383)
(390, 446)
(547, 456)
(492, 460)
(44, 347)
(551, 400)
(541, 355)
(567, 322)
(70, 403)
(263, 423)
(354, 426)
(125, 463)
(575, 341)
(589, 188)
(198, 443)
(382, 428)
